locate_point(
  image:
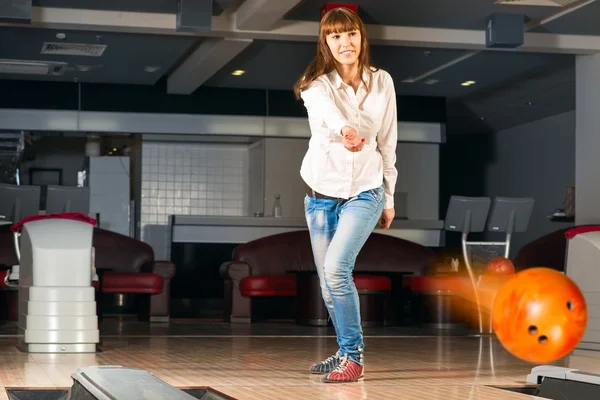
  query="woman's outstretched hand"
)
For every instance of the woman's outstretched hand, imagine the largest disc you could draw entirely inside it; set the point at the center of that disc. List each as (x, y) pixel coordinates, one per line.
(352, 140)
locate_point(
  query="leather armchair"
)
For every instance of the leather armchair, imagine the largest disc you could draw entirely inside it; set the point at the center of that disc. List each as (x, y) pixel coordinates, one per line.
(129, 262)
(283, 254)
(238, 306)
(125, 255)
(160, 303)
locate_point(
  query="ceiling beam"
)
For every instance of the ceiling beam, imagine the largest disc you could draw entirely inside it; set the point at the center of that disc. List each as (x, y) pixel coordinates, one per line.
(528, 27)
(260, 15)
(224, 26)
(221, 5)
(216, 52)
(212, 55)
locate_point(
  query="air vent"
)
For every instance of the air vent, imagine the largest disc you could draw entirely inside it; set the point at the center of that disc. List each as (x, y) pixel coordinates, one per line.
(32, 67)
(73, 49)
(542, 3)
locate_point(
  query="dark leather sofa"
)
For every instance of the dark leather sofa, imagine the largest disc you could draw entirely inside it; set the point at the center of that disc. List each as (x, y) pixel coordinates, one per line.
(267, 266)
(125, 265)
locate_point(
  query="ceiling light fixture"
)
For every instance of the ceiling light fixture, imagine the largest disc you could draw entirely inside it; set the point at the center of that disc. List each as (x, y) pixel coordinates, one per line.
(29, 67)
(238, 72)
(468, 83)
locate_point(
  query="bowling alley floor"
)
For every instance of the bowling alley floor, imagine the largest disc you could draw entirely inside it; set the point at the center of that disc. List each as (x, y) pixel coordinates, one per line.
(271, 360)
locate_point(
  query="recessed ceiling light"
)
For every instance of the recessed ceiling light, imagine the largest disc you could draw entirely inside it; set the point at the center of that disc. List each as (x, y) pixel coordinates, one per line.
(238, 72)
(467, 83)
(151, 68)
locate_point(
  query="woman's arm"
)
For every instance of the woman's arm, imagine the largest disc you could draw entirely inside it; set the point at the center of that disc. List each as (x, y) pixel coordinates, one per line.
(387, 139)
(320, 104)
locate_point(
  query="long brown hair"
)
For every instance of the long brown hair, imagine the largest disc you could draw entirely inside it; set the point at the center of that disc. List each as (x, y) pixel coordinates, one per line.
(338, 20)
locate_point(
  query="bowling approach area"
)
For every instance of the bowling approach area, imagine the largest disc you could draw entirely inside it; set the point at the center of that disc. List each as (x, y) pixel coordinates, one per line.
(187, 359)
(255, 363)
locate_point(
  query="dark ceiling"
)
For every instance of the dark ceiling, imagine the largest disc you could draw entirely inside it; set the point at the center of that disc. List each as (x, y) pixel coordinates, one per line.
(149, 6)
(506, 80)
(118, 64)
(462, 14)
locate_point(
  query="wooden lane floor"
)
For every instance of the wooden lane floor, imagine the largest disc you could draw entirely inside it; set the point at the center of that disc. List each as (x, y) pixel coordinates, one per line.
(269, 366)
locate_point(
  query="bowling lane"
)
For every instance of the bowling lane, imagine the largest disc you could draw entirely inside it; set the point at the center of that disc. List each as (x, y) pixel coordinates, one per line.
(267, 367)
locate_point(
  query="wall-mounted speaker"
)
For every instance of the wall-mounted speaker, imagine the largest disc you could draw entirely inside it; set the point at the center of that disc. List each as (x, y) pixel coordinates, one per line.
(505, 30)
(194, 15)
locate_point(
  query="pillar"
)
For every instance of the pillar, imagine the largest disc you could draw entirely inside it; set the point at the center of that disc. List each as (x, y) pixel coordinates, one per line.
(587, 140)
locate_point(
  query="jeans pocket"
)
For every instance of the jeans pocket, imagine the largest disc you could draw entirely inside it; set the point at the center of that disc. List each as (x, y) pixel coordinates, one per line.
(377, 194)
(309, 204)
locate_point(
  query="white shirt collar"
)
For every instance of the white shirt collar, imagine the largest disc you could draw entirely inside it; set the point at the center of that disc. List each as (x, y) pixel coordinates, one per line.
(337, 82)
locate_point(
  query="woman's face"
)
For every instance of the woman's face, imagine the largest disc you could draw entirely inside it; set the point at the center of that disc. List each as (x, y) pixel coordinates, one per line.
(345, 47)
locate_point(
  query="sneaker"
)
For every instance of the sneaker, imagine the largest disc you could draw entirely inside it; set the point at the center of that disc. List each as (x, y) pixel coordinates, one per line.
(347, 371)
(326, 366)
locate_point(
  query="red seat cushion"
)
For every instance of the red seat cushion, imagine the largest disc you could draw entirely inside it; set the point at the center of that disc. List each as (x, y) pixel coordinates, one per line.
(373, 283)
(2, 276)
(124, 283)
(457, 284)
(268, 286)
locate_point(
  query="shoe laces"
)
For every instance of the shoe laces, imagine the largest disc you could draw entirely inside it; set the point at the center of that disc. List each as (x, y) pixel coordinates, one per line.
(333, 357)
(343, 364)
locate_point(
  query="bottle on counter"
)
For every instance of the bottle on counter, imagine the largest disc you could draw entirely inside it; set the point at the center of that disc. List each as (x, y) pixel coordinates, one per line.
(277, 206)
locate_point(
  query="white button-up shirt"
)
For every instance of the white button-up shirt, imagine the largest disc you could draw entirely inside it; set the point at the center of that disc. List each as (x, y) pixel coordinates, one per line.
(328, 167)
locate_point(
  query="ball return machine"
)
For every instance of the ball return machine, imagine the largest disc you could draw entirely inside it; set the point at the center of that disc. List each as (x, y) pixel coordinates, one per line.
(582, 265)
(57, 306)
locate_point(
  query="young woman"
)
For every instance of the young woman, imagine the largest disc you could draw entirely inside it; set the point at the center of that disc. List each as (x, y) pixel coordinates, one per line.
(349, 171)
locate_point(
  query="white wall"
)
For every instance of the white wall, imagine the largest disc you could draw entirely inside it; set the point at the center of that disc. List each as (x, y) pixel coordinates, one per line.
(418, 176)
(256, 178)
(418, 167)
(109, 180)
(283, 158)
(189, 179)
(534, 160)
(240, 179)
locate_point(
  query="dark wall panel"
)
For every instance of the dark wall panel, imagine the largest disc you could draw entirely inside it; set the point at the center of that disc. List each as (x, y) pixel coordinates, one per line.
(206, 100)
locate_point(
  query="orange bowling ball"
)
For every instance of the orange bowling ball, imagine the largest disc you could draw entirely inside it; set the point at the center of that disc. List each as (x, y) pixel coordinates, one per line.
(500, 266)
(539, 315)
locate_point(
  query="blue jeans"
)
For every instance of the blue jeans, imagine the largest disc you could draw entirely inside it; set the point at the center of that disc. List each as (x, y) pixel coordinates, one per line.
(338, 230)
